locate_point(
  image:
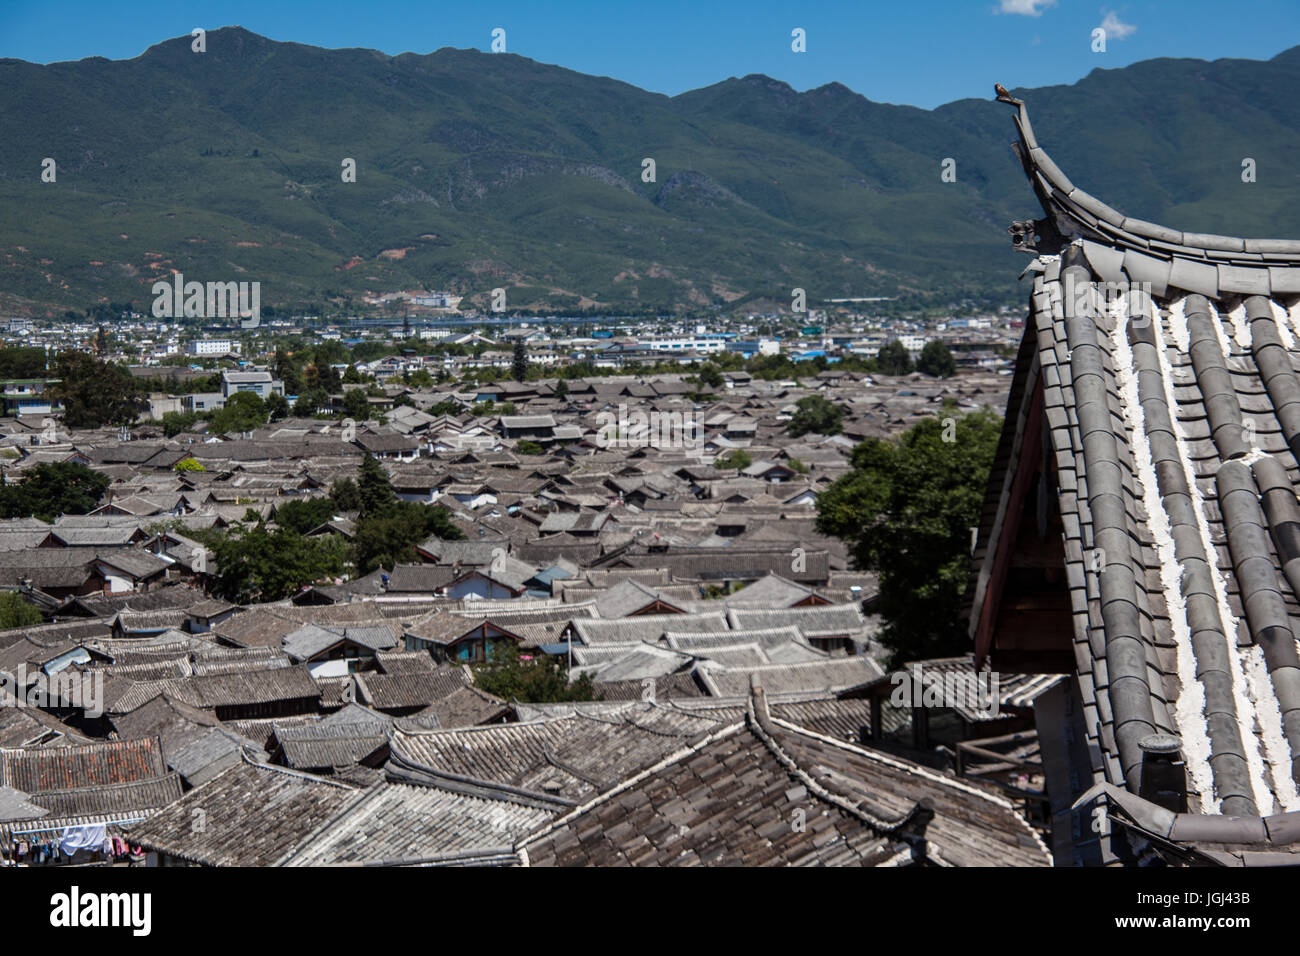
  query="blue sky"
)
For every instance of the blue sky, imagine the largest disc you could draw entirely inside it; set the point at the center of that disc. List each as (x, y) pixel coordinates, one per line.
(924, 52)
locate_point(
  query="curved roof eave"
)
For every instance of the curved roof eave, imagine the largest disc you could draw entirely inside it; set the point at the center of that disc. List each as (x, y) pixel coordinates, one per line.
(1076, 214)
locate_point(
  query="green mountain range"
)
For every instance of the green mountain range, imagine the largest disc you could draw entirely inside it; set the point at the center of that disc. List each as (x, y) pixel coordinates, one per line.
(479, 170)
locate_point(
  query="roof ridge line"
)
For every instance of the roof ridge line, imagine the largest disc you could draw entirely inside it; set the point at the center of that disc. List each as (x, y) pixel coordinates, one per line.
(760, 722)
(289, 771)
(1072, 212)
(630, 782)
(916, 770)
(363, 796)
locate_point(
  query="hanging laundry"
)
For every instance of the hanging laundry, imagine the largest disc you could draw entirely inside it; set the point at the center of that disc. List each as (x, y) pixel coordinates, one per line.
(82, 838)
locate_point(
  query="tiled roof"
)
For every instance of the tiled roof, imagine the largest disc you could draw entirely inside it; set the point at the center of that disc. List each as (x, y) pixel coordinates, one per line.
(286, 805)
(1165, 362)
(322, 746)
(766, 793)
(569, 758)
(225, 690)
(396, 823)
(645, 627)
(99, 777)
(829, 676)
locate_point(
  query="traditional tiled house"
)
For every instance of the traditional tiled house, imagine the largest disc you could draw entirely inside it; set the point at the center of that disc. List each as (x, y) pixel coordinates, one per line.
(1142, 532)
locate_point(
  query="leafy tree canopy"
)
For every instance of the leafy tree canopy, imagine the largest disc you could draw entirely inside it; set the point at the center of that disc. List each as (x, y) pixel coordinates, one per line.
(936, 360)
(53, 489)
(389, 537)
(277, 406)
(355, 404)
(19, 362)
(905, 510)
(894, 359)
(15, 612)
(375, 488)
(519, 362)
(710, 376)
(174, 423)
(815, 414)
(346, 495)
(304, 514)
(260, 565)
(243, 412)
(540, 680)
(93, 393)
(738, 459)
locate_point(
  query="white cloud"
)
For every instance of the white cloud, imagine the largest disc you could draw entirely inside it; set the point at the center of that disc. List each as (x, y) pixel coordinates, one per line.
(1115, 27)
(1025, 8)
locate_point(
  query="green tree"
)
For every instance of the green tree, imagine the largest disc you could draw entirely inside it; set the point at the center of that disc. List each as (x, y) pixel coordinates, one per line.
(815, 414)
(308, 402)
(894, 359)
(286, 371)
(304, 514)
(242, 412)
(905, 510)
(710, 376)
(355, 404)
(389, 537)
(346, 495)
(93, 393)
(174, 423)
(526, 447)
(562, 389)
(738, 459)
(15, 612)
(53, 489)
(936, 360)
(188, 464)
(259, 565)
(277, 406)
(375, 488)
(539, 679)
(328, 379)
(519, 365)
(19, 362)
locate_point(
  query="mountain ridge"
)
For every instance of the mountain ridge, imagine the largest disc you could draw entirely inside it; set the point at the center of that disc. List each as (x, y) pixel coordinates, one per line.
(225, 165)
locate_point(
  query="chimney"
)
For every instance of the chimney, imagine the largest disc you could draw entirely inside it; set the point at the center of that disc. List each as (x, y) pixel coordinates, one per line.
(1164, 772)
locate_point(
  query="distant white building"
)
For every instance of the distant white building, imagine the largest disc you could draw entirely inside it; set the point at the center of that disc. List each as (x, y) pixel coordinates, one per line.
(261, 384)
(435, 300)
(700, 342)
(913, 343)
(213, 347)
